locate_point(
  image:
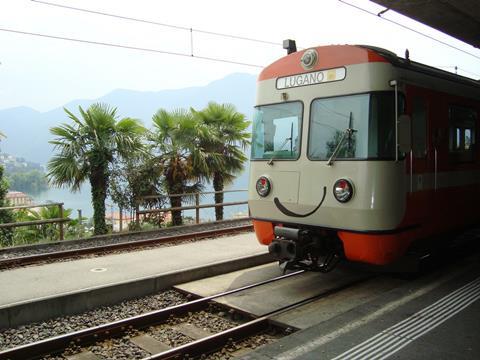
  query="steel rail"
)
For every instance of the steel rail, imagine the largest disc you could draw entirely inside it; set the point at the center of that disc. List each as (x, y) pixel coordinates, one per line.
(216, 341)
(98, 333)
(30, 206)
(191, 207)
(250, 328)
(147, 197)
(135, 235)
(34, 222)
(32, 259)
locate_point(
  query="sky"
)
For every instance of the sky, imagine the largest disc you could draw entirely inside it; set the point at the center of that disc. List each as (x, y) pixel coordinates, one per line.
(44, 73)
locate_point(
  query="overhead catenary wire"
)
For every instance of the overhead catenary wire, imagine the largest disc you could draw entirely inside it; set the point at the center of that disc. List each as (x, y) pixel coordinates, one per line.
(178, 27)
(408, 28)
(468, 72)
(460, 69)
(191, 30)
(101, 43)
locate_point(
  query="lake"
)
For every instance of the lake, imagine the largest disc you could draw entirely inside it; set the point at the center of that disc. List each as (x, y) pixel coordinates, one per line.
(82, 200)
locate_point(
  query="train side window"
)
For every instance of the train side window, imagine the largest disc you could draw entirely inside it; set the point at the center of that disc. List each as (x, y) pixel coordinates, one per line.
(419, 127)
(467, 138)
(463, 130)
(381, 139)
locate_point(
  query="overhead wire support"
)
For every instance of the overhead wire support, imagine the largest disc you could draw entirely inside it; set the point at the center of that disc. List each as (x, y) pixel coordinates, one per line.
(383, 12)
(178, 27)
(92, 42)
(456, 68)
(405, 27)
(191, 41)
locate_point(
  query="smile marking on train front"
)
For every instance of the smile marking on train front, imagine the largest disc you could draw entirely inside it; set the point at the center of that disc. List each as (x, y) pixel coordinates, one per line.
(287, 212)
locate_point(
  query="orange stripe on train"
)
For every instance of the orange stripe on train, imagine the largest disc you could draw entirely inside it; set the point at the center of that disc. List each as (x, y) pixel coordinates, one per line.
(328, 57)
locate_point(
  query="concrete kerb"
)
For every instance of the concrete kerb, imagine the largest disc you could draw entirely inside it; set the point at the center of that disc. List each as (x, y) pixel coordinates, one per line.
(86, 299)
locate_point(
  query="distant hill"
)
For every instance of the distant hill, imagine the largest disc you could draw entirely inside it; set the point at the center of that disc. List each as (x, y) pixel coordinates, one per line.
(28, 133)
(13, 164)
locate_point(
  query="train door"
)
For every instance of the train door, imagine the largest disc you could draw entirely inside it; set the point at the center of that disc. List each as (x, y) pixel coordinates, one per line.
(421, 158)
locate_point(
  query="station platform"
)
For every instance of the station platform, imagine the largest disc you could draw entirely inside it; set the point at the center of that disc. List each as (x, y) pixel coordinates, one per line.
(433, 317)
(37, 281)
(93, 279)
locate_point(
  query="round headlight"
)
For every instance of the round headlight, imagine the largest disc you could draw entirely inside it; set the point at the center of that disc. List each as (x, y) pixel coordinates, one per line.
(263, 186)
(343, 190)
(309, 59)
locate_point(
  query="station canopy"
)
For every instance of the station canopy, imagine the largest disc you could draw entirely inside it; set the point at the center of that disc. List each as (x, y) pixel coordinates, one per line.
(457, 18)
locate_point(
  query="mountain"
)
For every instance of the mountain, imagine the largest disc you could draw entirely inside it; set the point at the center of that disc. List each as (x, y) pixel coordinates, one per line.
(13, 164)
(28, 133)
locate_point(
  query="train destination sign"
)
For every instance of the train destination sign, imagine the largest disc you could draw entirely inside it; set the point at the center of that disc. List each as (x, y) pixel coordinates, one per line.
(311, 78)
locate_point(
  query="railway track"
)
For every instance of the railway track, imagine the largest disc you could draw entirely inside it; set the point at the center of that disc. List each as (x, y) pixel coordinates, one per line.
(137, 330)
(140, 330)
(10, 258)
(119, 328)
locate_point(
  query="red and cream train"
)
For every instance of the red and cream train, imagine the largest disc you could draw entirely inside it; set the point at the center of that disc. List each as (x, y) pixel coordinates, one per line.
(358, 153)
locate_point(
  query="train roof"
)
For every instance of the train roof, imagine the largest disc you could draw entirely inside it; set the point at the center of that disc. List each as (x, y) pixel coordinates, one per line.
(421, 68)
(332, 56)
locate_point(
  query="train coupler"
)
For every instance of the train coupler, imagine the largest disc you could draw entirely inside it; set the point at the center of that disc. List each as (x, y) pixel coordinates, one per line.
(327, 264)
(298, 249)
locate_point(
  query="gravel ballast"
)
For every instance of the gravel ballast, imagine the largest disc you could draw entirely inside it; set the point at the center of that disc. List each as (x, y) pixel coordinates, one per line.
(25, 334)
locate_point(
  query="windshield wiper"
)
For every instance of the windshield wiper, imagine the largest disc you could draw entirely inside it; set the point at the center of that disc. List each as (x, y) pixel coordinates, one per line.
(347, 133)
(285, 142)
(270, 162)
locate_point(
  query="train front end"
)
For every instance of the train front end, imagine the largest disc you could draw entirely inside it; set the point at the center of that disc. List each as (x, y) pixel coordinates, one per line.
(325, 178)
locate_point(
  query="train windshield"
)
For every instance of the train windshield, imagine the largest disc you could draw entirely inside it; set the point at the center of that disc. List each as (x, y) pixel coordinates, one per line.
(353, 127)
(276, 131)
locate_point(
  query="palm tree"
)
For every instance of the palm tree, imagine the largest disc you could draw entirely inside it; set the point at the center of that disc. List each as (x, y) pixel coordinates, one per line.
(87, 148)
(32, 234)
(226, 141)
(175, 138)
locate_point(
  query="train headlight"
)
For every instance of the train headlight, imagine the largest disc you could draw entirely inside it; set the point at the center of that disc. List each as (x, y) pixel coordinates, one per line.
(309, 59)
(263, 186)
(343, 190)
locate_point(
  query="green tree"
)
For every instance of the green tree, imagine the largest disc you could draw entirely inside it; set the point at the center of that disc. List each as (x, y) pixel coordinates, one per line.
(134, 178)
(346, 150)
(223, 147)
(31, 182)
(87, 148)
(51, 232)
(25, 234)
(6, 216)
(175, 138)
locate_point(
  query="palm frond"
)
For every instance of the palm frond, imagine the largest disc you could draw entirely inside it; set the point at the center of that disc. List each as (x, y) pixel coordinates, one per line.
(227, 136)
(66, 171)
(73, 117)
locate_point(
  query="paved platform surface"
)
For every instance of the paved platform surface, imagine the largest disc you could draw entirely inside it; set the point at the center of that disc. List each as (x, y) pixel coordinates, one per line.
(40, 281)
(337, 303)
(433, 317)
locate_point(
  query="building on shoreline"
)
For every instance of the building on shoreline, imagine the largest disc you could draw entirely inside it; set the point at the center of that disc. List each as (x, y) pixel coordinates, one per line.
(18, 198)
(118, 221)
